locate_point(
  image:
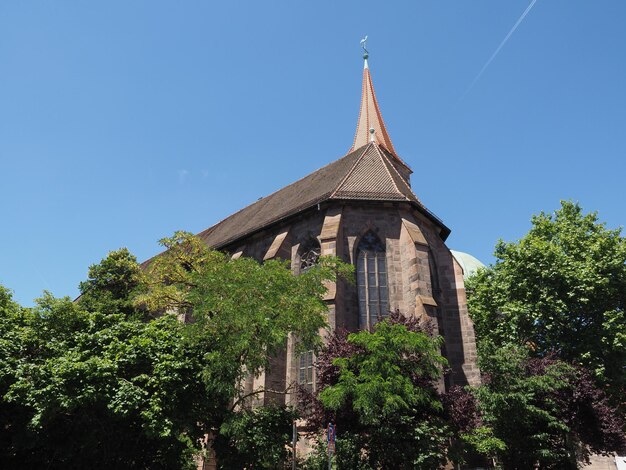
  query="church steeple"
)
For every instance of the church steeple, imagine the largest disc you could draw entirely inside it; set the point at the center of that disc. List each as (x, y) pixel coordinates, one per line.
(370, 126)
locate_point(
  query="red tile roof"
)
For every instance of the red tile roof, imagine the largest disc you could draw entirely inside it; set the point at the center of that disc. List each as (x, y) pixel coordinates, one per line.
(370, 117)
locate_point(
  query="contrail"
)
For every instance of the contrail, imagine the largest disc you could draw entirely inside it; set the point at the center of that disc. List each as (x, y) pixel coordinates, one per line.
(504, 41)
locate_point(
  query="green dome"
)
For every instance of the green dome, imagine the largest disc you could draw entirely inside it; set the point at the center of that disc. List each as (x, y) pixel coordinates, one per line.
(469, 263)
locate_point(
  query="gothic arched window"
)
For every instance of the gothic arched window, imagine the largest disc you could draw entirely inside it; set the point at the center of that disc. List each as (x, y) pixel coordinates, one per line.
(371, 274)
(309, 257)
(309, 254)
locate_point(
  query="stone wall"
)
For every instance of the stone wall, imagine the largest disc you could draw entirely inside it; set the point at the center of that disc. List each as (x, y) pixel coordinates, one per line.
(424, 279)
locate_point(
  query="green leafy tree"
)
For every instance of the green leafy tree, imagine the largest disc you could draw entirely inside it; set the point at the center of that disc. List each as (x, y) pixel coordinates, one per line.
(348, 453)
(117, 380)
(473, 439)
(379, 388)
(245, 308)
(100, 387)
(561, 289)
(539, 412)
(255, 438)
(111, 284)
(14, 417)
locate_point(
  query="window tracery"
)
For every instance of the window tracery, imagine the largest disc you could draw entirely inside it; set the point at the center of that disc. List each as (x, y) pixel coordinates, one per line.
(310, 254)
(372, 280)
(309, 257)
(306, 371)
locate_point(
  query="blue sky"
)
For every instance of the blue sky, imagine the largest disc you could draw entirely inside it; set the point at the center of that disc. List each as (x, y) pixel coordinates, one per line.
(121, 122)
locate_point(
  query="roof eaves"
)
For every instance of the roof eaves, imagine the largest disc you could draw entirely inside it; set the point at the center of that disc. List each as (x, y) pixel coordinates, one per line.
(265, 198)
(270, 222)
(445, 230)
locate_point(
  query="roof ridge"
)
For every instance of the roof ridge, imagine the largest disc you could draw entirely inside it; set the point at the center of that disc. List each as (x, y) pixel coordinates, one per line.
(397, 158)
(370, 123)
(356, 134)
(387, 139)
(345, 178)
(393, 181)
(408, 186)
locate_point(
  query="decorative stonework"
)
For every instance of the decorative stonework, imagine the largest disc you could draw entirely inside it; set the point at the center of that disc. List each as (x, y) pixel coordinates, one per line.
(278, 247)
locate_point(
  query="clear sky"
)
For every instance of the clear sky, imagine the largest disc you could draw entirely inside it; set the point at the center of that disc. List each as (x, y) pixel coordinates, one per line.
(121, 122)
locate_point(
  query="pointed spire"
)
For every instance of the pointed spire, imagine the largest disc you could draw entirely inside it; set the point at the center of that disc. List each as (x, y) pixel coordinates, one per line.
(370, 127)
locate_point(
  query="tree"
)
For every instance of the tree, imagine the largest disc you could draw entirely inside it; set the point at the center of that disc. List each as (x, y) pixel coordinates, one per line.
(14, 417)
(245, 308)
(472, 439)
(255, 438)
(99, 385)
(111, 284)
(533, 411)
(379, 388)
(560, 289)
(117, 380)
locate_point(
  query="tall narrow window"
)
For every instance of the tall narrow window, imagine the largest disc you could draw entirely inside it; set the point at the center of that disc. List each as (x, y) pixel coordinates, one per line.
(309, 256)
(305, 370)
(371, 273)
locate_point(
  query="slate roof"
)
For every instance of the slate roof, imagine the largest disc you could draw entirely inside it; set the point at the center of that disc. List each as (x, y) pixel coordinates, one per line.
(365, 174)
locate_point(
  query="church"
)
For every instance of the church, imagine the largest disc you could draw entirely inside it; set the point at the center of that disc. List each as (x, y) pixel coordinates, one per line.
(360, 208)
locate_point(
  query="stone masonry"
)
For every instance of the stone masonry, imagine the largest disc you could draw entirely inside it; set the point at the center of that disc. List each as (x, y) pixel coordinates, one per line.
(425, 281)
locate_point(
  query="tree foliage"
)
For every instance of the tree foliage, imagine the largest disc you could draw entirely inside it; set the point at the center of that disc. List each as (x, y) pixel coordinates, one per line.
(247, 308)
(117, 380)
(561, 289)
(111, 284)
(538, 411)
(14, 416)
(379, 388)
(550, 322)
(255, 438)
(101, 387)
(98, 389)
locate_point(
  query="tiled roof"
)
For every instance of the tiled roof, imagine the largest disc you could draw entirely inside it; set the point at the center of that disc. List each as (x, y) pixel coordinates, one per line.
(372, 177)
(370, 118)
(291, 199)
(367, 173)
(364, 174)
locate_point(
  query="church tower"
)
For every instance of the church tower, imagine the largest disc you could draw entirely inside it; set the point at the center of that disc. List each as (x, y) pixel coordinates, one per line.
(362, 209)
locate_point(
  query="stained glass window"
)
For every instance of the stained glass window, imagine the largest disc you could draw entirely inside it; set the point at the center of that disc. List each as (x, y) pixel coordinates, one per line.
(372, 281)
(309, 256)
(305, 370)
